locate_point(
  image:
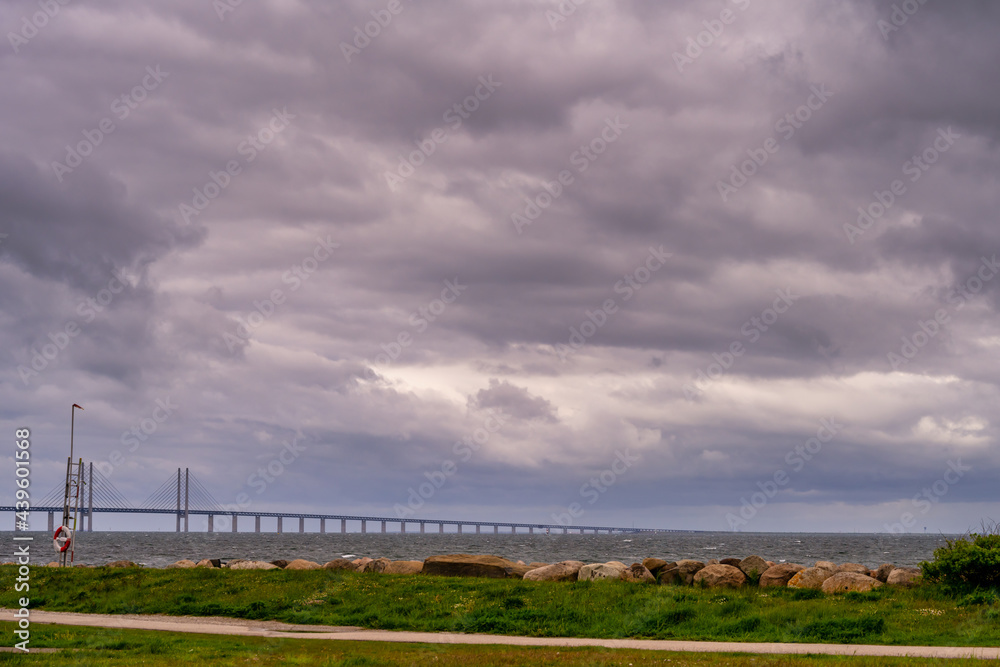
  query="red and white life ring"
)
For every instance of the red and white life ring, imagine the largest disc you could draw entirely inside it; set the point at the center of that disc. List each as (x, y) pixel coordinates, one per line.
(62, 539)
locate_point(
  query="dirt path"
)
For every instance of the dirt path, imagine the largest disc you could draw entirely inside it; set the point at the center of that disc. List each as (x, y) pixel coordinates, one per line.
(239, 627)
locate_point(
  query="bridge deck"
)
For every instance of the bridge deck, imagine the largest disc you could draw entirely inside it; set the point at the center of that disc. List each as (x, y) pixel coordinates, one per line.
(351, 517)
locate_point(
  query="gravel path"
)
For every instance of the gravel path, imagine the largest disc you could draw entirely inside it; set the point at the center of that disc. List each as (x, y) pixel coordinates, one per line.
(240, 627)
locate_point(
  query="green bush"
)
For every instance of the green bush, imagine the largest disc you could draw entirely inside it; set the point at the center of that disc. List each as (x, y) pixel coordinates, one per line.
(968, 563)
(978, 598)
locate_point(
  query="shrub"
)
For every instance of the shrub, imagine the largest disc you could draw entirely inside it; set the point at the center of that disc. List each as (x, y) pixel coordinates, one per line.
(967, 563)
(978, 598)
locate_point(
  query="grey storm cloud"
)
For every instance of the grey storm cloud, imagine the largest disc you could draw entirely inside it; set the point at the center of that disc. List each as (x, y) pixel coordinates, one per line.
(377, 226)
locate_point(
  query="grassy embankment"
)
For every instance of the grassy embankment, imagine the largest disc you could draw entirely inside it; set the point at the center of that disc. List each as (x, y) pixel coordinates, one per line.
(118, 648)
(604, 609)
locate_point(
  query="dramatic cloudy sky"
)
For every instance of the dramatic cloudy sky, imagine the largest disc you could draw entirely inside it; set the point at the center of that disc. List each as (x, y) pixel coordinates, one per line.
(256, 306)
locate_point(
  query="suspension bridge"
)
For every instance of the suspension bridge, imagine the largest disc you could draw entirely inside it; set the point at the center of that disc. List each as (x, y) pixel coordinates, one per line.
(183, 495)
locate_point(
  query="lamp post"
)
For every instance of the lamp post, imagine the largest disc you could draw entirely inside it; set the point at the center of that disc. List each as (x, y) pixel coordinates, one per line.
(72, 419)
(69, 464)
(64, 530)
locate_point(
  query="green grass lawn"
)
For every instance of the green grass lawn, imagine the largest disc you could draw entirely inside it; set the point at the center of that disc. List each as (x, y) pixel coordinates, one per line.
(604, 609)
(113, 648)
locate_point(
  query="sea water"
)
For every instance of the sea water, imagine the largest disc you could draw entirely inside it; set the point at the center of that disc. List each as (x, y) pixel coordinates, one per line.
(157, 549)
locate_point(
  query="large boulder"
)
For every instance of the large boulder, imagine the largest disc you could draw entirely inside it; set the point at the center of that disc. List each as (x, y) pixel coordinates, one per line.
(377, 566)
(857, 568)
(210, 562)
(404, 567)
(844, 582)
(280, 563)
(340, 564)
(359, 563)
(654, 565)
(735, 562)
(682, 572)
(467, 565)
(300, 564)
(637, 573)
(182, 564)
(826, 565)
(537, 564)
(566, 570)
(752, 564)
(720, 576)
(610, 570)
(904, 576)
(883, 571)
(779, 575)
(252, 565)
(811, 577)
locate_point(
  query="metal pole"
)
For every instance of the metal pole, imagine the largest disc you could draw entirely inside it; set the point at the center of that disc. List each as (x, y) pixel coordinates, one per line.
(72, 423)
(65, 516)
(69, 465)
(76, 511)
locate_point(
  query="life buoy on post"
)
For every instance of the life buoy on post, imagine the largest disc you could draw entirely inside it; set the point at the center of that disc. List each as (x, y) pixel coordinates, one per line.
(62, 539)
